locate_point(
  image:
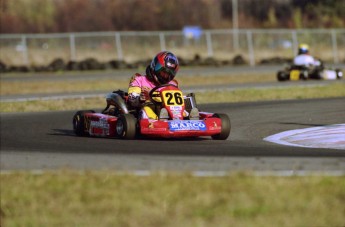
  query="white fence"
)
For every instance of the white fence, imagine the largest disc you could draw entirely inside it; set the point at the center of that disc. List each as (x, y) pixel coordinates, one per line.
(254, 45)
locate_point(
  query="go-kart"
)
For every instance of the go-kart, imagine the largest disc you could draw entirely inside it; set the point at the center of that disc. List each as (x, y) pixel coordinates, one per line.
(300, 72)
(177, 117)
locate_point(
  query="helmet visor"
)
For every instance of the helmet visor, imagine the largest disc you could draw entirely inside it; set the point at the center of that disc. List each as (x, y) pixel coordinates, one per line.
(165, 75)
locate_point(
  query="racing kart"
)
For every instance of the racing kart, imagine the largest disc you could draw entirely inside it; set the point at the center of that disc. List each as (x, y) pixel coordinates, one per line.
(299, 72)
(177, 117)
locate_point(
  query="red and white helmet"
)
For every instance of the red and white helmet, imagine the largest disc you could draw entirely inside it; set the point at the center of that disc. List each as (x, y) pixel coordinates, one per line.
(163, 67)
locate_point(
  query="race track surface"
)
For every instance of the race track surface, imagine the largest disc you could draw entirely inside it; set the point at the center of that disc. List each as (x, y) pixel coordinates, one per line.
(45, 141)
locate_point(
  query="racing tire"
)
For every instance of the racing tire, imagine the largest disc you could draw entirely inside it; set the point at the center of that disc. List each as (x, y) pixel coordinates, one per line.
(339, 74)
(79, 122)
(304, 75)
(282, 76)
(126, 126)
(226, 127)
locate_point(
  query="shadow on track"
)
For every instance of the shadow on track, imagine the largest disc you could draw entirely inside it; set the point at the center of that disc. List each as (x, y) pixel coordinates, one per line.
(68, 132)
(62, 132)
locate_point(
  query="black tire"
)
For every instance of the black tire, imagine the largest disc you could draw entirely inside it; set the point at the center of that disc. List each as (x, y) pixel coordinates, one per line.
(226, 127)
(339, 74)
(79, 122)
(126, 126)
(304, 75)
(282, 76)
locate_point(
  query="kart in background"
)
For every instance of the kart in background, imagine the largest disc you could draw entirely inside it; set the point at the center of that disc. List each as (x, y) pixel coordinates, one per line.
(181, 118)
(298, 72)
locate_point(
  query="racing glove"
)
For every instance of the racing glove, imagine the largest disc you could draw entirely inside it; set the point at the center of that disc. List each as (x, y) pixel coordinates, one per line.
(144, 96)
(134, 99)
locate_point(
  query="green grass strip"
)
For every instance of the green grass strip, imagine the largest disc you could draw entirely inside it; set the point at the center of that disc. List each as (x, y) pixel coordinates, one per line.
(243, 95)
(93, 199)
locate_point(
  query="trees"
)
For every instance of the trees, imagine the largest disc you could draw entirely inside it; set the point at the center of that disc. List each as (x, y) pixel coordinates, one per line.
(42, 16)
(27, 16)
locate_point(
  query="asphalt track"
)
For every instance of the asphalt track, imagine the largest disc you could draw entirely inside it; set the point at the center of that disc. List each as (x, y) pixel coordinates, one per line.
(45, 141)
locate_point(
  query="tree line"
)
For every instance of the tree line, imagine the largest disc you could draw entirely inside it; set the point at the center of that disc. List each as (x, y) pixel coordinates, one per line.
(55, 16)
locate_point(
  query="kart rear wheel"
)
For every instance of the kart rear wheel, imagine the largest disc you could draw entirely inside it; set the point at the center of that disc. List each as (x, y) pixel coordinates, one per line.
(126, 126)
(304, 75)
(226, 127)
(79, 122)
(339, 74)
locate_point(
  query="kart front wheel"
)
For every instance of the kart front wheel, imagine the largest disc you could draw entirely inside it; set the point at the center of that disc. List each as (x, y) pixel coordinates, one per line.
(226, 127)
(282, 76)
(126, 126)
(79, 122)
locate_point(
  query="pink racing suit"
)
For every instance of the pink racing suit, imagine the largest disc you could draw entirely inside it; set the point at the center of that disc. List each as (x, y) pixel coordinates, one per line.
(138, 93)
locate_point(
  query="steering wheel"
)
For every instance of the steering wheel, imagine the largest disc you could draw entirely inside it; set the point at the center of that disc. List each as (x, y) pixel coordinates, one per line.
(152, 95)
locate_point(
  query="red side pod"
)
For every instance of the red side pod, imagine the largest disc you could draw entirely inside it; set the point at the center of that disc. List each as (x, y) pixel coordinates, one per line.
(102, 125)
(112, 126)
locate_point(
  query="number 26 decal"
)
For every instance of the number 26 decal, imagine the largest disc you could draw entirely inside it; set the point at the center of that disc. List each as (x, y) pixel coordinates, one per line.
(173, 98)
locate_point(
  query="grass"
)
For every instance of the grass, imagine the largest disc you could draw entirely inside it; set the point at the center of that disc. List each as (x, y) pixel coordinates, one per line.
(46, 86)
(68, 198)
(243, 95)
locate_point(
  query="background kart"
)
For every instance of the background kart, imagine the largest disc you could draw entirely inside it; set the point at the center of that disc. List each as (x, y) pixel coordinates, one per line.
(297, 72)
(177, 117)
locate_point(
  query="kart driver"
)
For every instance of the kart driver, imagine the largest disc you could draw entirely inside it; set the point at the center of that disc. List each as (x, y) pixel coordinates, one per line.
(303, 57)
(162, 70)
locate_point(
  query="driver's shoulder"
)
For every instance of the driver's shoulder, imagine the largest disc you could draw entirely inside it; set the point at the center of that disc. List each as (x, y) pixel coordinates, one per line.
(137, 77)
(174, 82)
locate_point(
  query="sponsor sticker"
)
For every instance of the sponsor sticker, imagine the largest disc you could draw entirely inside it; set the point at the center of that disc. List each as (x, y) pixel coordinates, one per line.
(100, 127)
(176, 108)
(187, 125)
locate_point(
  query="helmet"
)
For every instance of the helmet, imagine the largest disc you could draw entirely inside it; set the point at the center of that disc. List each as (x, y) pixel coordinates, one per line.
(303, 49)
(163, 67)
